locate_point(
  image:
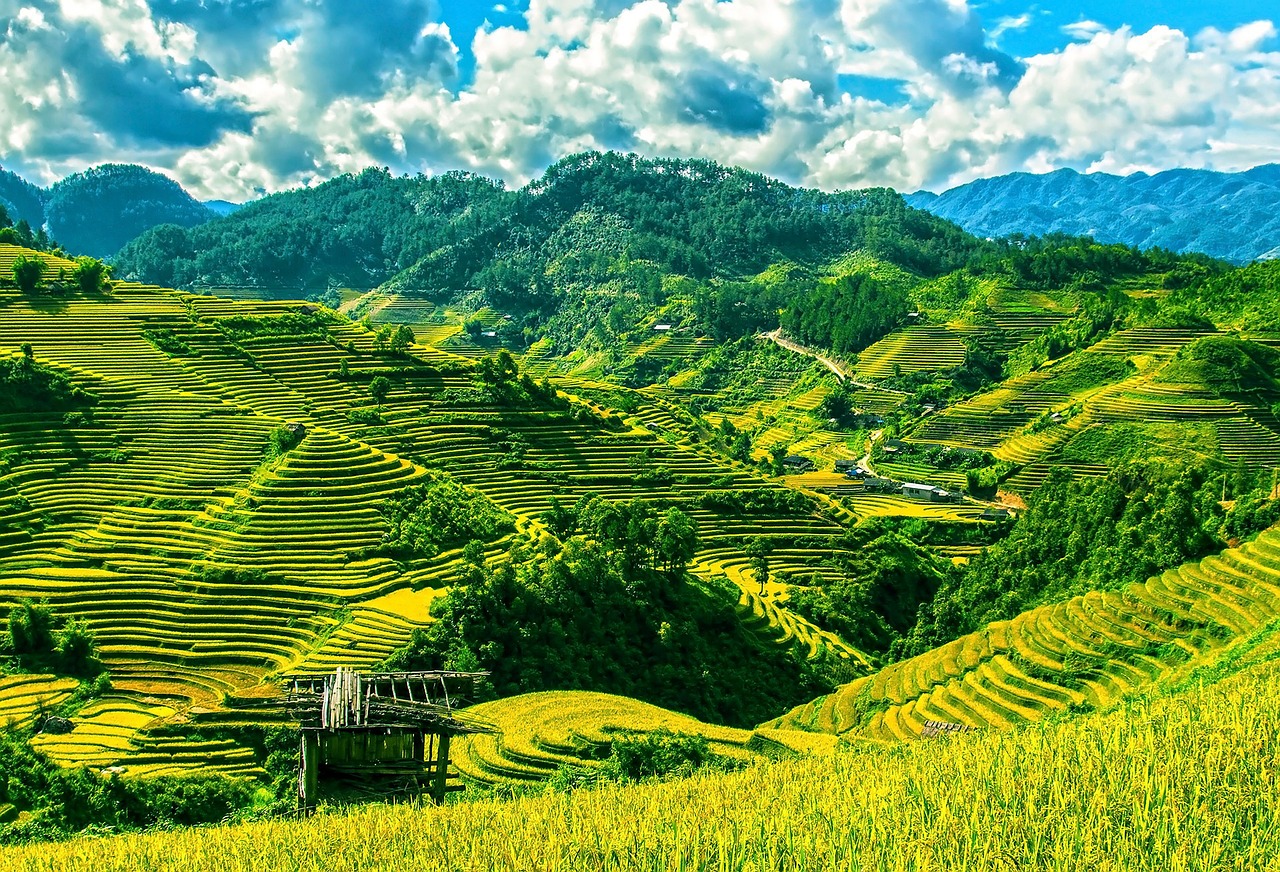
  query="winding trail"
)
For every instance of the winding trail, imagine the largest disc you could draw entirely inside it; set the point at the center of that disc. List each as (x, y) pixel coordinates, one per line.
(840, 370)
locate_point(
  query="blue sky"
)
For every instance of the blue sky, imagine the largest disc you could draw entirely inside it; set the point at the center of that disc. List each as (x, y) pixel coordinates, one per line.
(237, 97)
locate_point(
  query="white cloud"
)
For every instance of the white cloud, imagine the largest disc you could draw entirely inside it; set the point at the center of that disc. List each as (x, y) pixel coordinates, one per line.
(1009, 24)
(1084, 29)
(278, 94)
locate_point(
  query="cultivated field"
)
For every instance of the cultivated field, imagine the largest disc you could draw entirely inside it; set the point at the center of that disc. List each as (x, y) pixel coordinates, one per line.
(1178, 781)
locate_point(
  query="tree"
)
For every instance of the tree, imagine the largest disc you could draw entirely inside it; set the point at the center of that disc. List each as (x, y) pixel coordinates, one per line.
(677, 541)
(31, 628)
(379, 387)
(91, 275)
(758, 551)
(560, 519)
(28, 272)
(77, 648)
(401, 338)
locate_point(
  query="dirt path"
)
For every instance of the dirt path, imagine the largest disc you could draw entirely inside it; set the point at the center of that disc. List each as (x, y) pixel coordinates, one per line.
(840, 370)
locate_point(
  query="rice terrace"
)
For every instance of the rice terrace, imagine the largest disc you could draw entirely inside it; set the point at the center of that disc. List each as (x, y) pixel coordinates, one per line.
(652, 484)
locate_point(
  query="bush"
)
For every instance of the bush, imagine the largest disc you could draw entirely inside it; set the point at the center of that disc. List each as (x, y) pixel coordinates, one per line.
(28, 273)
(660, 754)
(284, 438)
(40, 640)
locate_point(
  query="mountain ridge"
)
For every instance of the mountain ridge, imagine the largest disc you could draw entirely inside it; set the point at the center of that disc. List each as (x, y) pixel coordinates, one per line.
(1231, 216)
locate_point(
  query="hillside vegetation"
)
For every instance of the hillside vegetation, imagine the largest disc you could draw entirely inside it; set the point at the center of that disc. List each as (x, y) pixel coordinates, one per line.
(1178, 780)
(591, 438)
(95, 212)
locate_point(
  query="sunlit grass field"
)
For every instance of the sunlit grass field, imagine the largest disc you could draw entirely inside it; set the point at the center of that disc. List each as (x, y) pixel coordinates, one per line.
(1179, 781)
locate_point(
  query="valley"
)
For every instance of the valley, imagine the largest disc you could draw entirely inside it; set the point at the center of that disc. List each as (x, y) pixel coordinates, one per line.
(795, 510)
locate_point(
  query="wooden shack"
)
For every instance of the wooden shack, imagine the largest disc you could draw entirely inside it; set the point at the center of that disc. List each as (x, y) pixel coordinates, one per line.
(380, 733)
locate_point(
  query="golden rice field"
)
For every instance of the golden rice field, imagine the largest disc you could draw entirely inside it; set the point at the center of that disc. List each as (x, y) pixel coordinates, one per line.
(10, 253)
(541, 732)
(1186, 781)
(1085, 653)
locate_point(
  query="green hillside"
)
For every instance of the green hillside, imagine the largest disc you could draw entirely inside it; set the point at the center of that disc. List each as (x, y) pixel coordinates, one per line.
(590, 437)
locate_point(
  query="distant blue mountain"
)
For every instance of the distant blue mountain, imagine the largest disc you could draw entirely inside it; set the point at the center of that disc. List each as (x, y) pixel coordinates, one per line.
(222, 207)
(1233, 216)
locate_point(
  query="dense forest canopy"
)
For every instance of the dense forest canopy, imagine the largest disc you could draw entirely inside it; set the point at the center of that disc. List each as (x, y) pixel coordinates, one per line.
(98, 211)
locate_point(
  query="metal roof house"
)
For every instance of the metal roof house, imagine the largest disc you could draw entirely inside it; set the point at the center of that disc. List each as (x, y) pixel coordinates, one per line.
(928, 493)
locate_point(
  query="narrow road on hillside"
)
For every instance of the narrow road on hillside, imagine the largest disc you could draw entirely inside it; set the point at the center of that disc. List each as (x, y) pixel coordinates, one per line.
(841, 371)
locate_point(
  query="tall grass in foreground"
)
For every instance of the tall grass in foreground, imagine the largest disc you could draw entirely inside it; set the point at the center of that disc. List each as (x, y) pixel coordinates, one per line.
(1176, 782)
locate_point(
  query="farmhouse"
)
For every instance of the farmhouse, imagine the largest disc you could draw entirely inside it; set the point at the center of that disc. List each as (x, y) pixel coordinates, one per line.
(846, 466)
(798, 463)
(662, 328)
(928, 493)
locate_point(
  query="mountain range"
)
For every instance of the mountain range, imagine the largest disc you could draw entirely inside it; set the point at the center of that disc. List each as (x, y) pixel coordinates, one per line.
(97, 211)
(1232, 216)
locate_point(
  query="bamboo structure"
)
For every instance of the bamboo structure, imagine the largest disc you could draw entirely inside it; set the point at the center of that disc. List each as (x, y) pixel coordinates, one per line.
(382, 733)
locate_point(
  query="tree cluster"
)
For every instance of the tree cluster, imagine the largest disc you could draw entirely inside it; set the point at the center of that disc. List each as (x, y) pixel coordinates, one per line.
(40, 640)
(611, 614)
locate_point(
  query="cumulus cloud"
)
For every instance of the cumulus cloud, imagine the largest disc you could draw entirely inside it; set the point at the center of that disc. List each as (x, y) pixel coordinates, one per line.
(240, 96)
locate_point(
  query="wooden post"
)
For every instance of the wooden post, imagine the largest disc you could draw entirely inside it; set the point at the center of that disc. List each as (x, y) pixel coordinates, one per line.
(438, 789)
(308, 770)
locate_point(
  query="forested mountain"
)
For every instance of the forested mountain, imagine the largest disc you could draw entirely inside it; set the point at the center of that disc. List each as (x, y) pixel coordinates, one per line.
(456, 232)
(99, 210)
(1232, 216)
(21, 199)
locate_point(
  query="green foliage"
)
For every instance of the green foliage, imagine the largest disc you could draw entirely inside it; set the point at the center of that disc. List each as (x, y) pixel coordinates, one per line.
(393, 340)
(39, 640)
(875, 601)
(424, 519)
(637, 531)
(583, 614)
(28, 273)
(292, 241)
(164, 339)
(99, 210)
(296, 324)
(284, 438)
(1079, 535)
(846, 314)
(1085, 371)
(1247, 298)
(768, 502)
(91, 275)
(28, 386)
(62, 801)
(1101, 312)
(379, 387)
(1226, 365)
(658, 755)
(1059, 261)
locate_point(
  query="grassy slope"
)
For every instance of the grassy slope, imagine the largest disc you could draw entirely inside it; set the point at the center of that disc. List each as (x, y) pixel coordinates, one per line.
(1183, 780)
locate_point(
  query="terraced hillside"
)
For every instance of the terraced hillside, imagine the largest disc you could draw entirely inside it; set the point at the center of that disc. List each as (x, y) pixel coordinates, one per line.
(205, 562)
(1083, 654)
(542, 733)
